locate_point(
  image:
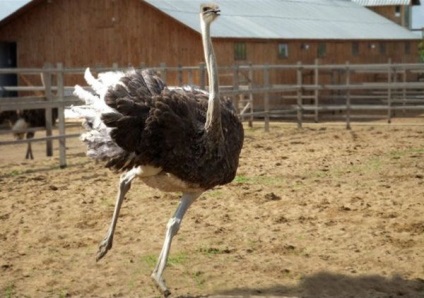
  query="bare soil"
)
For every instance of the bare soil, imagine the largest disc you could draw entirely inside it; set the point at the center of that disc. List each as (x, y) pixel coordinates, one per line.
(316, 212)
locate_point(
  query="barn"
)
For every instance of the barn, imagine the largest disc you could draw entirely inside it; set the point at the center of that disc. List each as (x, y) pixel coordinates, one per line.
(94, 33)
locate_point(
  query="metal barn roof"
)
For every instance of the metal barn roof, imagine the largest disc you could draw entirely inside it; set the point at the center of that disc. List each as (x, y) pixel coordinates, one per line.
(386, 2)
(288, 19)
(273, 19)
(7, 7)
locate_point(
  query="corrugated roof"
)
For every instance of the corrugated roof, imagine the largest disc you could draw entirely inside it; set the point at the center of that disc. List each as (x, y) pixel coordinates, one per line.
(386, 2)
(288, 19)
(7, 7)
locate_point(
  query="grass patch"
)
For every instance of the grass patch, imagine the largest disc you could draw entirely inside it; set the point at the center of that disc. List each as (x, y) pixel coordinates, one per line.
(13, 173)
(199, 278)
(211, 251)
(9, 291)
(264, 180)
(175, 259)
(63, 294)
(149, 260)
(215, 193)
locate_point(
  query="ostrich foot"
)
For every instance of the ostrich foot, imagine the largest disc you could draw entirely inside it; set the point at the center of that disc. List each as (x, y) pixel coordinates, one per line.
(104, 247)
(160, 283)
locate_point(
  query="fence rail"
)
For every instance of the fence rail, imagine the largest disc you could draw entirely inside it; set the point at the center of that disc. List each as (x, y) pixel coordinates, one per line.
(298, 92)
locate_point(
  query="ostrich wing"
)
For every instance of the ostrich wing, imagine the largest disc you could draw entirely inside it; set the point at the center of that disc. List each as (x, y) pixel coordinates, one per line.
(165, 128)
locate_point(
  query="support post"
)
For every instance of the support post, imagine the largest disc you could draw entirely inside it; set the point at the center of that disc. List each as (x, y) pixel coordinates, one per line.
(47, 82)
(190, 77)
(61, 114)
(251, 94)
(180, 75)
(236, 83)
(266, 97)
(299, 95)
(389, 92)
(404, 91)
(202, 75)
(348, 96)
(316, 89)
(163, 71)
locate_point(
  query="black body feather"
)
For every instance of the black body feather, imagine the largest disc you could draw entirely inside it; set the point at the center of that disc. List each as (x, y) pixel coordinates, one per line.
(165, 128)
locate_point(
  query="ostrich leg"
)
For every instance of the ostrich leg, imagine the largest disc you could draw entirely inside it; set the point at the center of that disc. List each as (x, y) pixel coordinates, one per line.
(172, 229)
(124, 186)
(29, 154)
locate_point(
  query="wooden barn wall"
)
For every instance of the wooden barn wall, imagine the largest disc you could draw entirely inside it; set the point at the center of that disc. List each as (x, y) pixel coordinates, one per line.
(306, 51)
(99, 33)
(389, 12)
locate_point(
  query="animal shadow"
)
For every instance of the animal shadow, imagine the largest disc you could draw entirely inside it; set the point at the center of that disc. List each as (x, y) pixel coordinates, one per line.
(330, 285)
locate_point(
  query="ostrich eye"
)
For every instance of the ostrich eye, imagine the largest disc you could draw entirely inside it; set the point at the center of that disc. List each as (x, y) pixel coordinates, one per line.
(206, 8)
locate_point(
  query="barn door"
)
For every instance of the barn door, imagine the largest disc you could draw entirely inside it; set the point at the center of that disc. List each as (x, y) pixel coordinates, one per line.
(8, 60)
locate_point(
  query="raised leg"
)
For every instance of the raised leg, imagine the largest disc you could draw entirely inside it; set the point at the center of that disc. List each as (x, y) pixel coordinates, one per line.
(172, 229)
(124, 187)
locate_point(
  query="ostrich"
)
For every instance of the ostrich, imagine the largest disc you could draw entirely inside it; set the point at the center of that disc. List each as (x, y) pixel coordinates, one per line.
(173, 139)
(20, 121)
(30, 119)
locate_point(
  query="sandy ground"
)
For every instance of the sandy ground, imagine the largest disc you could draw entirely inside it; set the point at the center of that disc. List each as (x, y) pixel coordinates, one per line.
(316, 212)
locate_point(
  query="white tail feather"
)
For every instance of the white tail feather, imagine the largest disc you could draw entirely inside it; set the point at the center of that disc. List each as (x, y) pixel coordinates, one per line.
(97, 137)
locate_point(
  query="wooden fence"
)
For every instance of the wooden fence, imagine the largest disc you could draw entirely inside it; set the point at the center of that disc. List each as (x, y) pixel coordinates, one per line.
(296, 92)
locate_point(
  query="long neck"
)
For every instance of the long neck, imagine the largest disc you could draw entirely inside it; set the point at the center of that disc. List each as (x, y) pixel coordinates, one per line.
(213, 115)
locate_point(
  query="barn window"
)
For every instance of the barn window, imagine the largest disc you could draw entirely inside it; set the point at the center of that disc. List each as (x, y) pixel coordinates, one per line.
(283, 50)
(355, 48)
(407, 47)
(240, 51)
(322, 50)
(397, 11)
(382, 48)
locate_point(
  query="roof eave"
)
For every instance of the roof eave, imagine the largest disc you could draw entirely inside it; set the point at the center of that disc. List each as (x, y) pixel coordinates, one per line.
(20, 11)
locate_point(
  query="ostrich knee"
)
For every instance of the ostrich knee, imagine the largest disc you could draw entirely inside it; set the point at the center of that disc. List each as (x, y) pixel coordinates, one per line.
(173, 226)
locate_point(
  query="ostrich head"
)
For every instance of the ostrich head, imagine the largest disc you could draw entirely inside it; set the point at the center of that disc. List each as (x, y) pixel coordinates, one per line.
(209, 12)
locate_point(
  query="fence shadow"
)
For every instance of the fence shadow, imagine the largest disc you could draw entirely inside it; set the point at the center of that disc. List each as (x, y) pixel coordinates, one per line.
(330, 285)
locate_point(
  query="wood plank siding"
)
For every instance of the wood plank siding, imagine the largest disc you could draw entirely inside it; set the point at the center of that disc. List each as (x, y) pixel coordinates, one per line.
(398, 14)
(99, 33)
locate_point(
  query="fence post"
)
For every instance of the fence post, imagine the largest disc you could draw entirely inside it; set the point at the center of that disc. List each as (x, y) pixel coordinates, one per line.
(163, 71)
(299, 95)
(389, 91)
(236, 83)
(316, 90)
(190, 76)
(47, 81)
(347, 96)
(404, 90)
(202, 73)
(180, 75)
(266, 97)
(251, 94)
(61, 114)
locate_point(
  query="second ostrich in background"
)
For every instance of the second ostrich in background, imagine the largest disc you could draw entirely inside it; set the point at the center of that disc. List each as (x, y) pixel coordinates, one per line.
(30, 119)
(173, 139)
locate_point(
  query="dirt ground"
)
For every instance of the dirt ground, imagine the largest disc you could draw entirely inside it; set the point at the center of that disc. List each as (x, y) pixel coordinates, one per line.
(316, 212)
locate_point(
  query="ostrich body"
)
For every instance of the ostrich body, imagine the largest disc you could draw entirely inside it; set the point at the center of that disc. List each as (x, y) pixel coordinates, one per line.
(175, 140)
